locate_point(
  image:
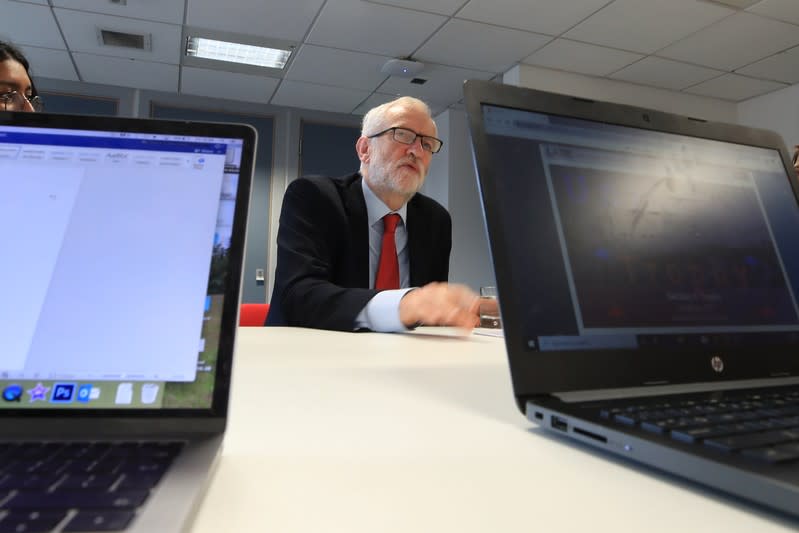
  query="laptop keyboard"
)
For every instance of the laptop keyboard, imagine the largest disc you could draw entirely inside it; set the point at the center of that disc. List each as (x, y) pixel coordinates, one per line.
(760, 426)
(78, 486)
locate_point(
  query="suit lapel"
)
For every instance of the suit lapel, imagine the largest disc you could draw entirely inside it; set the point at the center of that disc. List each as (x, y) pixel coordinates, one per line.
(355, 207)
(416, 243)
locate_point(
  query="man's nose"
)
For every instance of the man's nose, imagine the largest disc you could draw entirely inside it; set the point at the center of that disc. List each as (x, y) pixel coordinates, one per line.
(416, 147)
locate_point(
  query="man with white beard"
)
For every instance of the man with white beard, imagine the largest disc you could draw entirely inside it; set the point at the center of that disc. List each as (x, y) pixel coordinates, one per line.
(368, 251)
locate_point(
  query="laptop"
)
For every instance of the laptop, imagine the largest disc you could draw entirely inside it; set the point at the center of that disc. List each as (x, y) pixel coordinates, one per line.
(123, 242)
(648, 276)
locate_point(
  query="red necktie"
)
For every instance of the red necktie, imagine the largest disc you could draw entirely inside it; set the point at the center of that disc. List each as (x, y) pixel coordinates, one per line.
(388, 269)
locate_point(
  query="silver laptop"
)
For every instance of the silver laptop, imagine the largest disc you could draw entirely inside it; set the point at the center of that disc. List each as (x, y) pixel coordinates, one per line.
(121, 270)
(648, 274)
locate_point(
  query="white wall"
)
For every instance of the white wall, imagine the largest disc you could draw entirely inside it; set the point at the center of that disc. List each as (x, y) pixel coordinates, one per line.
(778, 111)
(453, 182)
(620, 92)
(436, 185)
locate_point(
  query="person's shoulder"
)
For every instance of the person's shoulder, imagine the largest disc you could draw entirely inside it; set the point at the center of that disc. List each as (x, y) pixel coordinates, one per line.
(322, 194)
(423, 202)
(324, 183)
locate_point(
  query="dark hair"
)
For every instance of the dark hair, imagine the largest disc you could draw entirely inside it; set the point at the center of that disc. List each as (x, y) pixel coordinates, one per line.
(9, 51)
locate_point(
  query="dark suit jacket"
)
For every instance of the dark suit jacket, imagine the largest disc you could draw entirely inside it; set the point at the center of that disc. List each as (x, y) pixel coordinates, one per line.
(322, 274)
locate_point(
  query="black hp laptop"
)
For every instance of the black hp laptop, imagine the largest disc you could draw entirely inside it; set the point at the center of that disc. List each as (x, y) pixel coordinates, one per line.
(648, 273)
(121, 270)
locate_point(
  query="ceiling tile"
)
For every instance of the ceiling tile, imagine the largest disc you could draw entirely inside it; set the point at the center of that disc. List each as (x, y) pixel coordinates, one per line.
(27, 17)
(49, 63)
(665, 73)
(314, 96)
(158, 10)
(227, 85)
(368, 27)
(81, 33)
(779, 67)
(551, 17)
(276, 19)
(786, 10)
(445, 84)
(374, 100)
(722, 46)
(646, 25)
(377, 99)
(442, 7)
(734, 87)
(341, 44)
(342, 68)
(127, 72)
(582, 58)
(736, 3)
(479, 46)
(437, 108)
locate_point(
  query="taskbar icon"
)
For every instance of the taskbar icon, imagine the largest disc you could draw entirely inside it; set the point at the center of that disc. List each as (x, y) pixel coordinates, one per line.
(13, 393)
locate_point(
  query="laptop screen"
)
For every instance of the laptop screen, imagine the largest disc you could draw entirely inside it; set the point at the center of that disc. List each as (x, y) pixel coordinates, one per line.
(645, 237)
(633, 246)
(116, 266)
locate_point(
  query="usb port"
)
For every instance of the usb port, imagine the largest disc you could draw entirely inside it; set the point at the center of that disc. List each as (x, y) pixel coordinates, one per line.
(559, 423)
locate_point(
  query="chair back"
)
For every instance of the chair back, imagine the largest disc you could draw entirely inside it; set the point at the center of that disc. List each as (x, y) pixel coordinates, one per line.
(253, 314)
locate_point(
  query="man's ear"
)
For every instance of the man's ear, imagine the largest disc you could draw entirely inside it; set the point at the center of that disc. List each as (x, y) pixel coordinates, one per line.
(362, 147)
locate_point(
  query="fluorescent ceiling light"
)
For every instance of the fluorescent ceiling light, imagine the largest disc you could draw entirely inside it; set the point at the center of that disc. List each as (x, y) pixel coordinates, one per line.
(237, 53)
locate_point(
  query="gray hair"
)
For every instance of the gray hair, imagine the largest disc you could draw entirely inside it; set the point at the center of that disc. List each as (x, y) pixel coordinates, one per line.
(375, 119)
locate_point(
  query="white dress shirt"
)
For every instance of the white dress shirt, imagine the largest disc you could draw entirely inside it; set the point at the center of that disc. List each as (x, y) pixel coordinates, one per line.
(382, 311)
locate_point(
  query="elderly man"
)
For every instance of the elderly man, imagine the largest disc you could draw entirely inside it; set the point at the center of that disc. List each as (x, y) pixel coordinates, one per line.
(367, 251)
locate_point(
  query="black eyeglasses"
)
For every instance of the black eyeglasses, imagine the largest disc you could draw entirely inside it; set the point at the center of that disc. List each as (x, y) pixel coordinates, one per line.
(15, 101)
(406, 136)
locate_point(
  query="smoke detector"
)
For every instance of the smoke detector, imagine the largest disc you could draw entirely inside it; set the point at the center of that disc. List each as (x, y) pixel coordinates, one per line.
(404, 68)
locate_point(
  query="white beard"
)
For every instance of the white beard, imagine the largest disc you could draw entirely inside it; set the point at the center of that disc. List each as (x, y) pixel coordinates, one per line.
(380, 175)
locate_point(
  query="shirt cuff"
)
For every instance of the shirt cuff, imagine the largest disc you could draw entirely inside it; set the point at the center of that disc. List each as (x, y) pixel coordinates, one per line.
(382, 312)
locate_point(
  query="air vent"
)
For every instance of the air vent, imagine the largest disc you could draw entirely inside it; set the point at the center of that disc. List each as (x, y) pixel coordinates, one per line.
(419, 81)
(124, 40)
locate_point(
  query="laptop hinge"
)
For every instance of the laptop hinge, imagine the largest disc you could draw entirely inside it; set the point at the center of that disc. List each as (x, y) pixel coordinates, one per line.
(661, 390)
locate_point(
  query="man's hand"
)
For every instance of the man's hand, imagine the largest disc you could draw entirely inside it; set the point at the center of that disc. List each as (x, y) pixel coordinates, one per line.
(440, 304)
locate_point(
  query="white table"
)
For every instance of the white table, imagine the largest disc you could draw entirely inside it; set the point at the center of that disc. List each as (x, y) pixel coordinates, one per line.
(369, 432)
